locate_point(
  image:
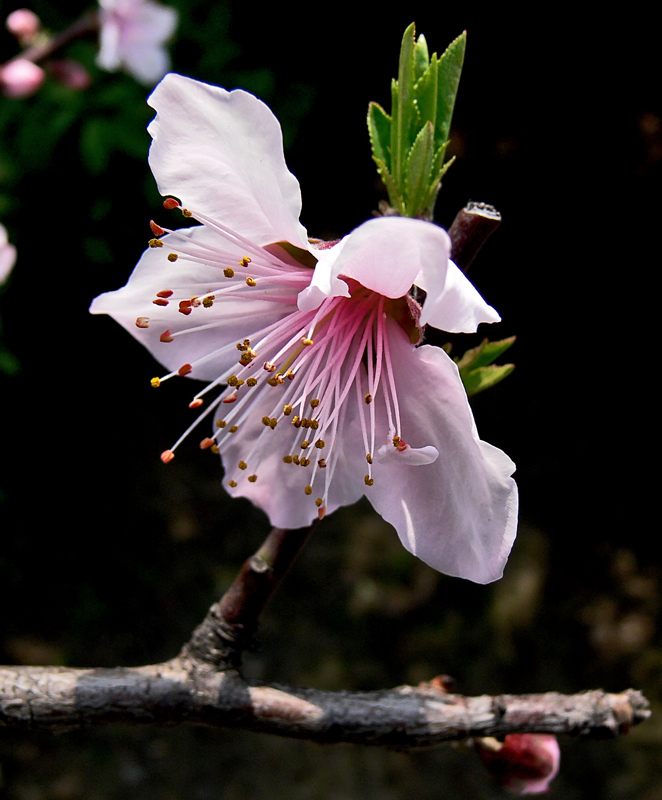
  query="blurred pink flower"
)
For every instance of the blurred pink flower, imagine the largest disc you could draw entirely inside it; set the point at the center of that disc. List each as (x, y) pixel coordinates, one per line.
(322, 394)
(7, 256)
(23, 24)
(525, 763)
(20, 78)
(133, 36)
(71, 73)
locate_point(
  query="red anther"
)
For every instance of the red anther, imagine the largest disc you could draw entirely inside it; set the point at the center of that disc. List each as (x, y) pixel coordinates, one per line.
(230, 399)
(167, 456)
(142, 322)
(170, 203)
(160, 302)
(165, 293)
(185, 369)
(166, 336)
(196, 403)
(185, 307)
(206, 443)
(321, 511)
(400, 446)
(157, 230)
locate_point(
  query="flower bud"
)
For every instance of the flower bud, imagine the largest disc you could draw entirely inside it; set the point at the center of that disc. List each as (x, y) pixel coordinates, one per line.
(20, 78)
(23, 24)
(525, 763)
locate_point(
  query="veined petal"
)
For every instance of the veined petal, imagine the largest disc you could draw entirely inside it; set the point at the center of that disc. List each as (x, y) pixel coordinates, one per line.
(206, 338)
(384, 254)
(222, 154)
(452, 303)
(458, 513)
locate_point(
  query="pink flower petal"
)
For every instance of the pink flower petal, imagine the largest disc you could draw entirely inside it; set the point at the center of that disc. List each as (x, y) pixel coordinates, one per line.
(458, 513)
(222, 154)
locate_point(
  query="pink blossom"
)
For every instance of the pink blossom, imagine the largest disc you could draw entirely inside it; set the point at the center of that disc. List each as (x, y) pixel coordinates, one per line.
(20, 78)
(133, 35)
(320, 394)
(525, 763)
(23, 24)
(7, 256)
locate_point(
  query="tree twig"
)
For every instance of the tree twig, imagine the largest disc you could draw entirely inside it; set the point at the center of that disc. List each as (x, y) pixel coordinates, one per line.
(185, 692)
(471, 228)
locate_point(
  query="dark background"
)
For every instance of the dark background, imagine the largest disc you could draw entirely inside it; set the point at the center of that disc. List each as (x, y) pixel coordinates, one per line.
(108, 558)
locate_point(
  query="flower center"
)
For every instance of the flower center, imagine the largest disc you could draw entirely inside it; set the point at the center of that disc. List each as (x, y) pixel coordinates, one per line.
(300, 382)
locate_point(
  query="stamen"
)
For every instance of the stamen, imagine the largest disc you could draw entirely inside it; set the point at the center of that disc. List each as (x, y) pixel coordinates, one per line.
(142, 322)
(167, 456)
(169, 203)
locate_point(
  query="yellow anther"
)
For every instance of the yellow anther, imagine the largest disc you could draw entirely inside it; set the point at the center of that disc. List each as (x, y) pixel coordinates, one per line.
(233, 380)
(367, 399)
(273, 422)
(233, 429)
(308, 490)
(287, 459)
(320, 444)
(246, 357)
(290, 375)
(305, 422)
(307, 342)
(242, 465)
(296, 421)
(232, 483)
(214, 449)
(396, 441)
(186, 212)
(304, 462)
(368, 480)
(265, 421)
(314, 424)
(314, 403)
(287, 410)
(156, 382)
(251, 282)
(172, 256)
(208, 302)
(241, 346)
(305, 445)
(245, 261)
(251, 382)
(142, 322)
(221, 423)
(155, 243)
(319, 502)
(368, 458)
(295, 459)
(252, 478)
(228, 272)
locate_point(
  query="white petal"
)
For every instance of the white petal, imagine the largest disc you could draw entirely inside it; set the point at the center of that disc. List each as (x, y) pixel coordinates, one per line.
(221, 153)
(384, 254)
(452, 303)
(236, 318)
(413, 456)
(459, 513)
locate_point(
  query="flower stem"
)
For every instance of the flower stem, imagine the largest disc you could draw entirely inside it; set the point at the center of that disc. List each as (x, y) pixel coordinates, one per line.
(225, 632)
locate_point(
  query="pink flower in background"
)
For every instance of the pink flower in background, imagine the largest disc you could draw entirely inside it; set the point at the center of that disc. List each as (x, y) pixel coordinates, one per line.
(133, 34)
(321, 394)
(525, 763)
(7, 256)
(20, 78)
(23, 24)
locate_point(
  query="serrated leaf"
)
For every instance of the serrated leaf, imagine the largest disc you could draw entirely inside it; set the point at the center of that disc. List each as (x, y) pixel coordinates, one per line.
(421, 57)
(417, 171)
(395, 198)
(479, 379)
(402, 98)
(425, 95)
(450, 70)
(485, 353)
(379, 129)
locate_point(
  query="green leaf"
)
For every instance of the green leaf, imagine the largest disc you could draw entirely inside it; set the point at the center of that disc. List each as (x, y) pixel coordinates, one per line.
(450, 69)
(402, 98)
(486, 353)
(417, 171)
(479, 379)
(379, 128)
(426, 91)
